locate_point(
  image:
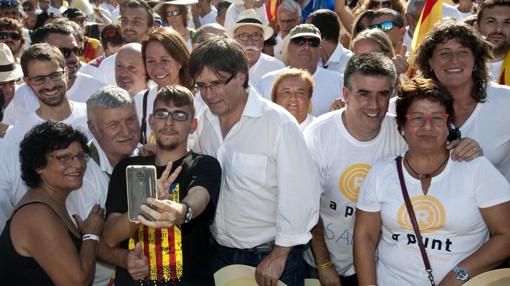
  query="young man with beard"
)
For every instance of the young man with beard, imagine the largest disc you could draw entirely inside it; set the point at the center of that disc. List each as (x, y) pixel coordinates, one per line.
(493, 22)
(79, 86)
(176, 243)
(250, 33)
(45, 73)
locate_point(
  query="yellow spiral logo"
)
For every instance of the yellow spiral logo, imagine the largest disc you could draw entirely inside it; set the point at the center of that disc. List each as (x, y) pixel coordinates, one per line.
(351, 179)
(429, 213)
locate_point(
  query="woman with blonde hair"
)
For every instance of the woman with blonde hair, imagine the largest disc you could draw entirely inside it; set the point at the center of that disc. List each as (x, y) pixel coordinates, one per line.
(374, 40)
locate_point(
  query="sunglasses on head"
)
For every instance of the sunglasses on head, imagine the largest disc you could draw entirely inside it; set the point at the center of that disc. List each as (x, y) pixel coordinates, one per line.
(173, 13)
(12, 35)
(301, 41)
(67, 51)
(385, 26)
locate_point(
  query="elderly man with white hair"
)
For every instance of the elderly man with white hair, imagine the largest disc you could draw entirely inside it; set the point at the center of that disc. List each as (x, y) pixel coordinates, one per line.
(288, 16)
(250, 33)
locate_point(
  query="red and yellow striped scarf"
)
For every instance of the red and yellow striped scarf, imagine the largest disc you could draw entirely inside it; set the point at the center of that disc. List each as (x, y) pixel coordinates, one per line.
(504, 73)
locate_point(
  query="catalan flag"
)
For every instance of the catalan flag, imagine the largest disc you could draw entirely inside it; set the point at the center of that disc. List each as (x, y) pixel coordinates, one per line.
(504, 73)
(431, 14)
(271, 8)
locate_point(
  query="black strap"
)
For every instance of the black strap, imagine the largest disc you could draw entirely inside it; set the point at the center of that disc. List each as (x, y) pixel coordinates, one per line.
(94, 154)
(412, 217)
(143, 127)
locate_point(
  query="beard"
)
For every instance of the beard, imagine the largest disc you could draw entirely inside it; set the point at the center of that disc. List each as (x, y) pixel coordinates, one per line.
(167, 146)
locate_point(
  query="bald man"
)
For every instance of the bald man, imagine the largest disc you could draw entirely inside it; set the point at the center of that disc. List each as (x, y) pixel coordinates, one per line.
(129, 70)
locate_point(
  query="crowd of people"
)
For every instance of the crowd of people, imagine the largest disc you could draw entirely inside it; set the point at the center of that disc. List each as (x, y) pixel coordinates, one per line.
(298, 139)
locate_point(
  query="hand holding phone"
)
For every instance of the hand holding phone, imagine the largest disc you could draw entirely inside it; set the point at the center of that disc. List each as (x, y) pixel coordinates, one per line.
(141, 184)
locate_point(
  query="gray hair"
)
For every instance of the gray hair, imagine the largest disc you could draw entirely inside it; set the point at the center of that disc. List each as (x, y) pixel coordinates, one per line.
(109, 97)
(208, 31)
(289, 5)
(369, 64)
(413, 5)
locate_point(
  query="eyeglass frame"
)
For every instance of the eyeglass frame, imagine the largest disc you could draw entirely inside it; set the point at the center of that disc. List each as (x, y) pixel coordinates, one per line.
(171, 115)
(213, 85)
(383, 26)
(16, 37)
(173, 13)
(428, 117)
(68, 159)
(249, 37)
(59, 73)
(301, 41)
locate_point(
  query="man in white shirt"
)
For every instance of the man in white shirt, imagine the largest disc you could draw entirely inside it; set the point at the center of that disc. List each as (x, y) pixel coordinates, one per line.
(303, 52)
(130, 72)
(250, 33)
(250, 138)
(113, 9)
(239, 6)
(136, 21)
(493, 22)
(45, 73)
(203, 13)
(333, 55)
(80, 86)
(288, 16)
(344, 145)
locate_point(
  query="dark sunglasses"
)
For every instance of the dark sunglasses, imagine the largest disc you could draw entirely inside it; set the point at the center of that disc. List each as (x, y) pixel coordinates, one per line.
(67, 51)
(12, 35)
(300, 41)
(384, 4)
(385, 26)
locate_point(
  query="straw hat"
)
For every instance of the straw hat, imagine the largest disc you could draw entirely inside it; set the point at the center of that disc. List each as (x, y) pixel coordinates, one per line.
(237, 275)
(9, 69)
(250, 17)
(181, 2)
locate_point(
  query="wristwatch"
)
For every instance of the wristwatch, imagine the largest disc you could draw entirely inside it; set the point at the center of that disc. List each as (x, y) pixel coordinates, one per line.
(461, 273)
(189, 212)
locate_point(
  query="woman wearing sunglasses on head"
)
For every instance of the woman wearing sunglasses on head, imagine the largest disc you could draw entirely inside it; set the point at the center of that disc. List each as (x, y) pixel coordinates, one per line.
(458, 225)
(455, 55)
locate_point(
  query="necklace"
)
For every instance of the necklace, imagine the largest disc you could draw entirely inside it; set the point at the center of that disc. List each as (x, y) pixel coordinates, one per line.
(425, 176)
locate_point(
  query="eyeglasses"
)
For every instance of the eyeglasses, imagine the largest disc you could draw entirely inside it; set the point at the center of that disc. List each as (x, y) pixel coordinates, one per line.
(437, 119)
(287, 21)
(173, 13)
(41, 79)
(68, 159)
(14, 36)
(68, 51)
(300, 41)
(385, 26)
(249, 37)
(213, 85)
(163, 114)
(379, 4)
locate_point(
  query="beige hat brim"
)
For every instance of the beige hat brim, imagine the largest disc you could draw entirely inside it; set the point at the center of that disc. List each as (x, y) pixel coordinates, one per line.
(237, 275)
(306, 35)
(268, 31)
(15, 74)
(236, 1)
(181, 2)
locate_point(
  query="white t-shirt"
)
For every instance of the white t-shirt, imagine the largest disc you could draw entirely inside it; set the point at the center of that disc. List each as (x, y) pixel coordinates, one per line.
(263, 65)
(309, 118)
(210, 17)
(106, 72)
(25, 101)
(77, 119)
(449, 217)
(12, 187)
(328, 86)
(343, 162)
(56, 11)
(494, 69)
(150, 106)
(234, 10)
(112, 10)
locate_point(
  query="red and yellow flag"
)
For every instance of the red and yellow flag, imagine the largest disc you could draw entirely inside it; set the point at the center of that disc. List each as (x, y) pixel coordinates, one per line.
(271, 7)
(504, 73)
(431, 14)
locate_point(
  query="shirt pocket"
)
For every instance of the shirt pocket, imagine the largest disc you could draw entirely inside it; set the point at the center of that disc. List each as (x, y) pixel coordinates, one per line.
(249, 170)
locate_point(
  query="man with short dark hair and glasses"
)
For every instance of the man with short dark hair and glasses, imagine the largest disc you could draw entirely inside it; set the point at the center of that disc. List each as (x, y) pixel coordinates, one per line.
(250, 33)
(267, 204)
(79, 86)
(173, 235)
(303, 52)
(45, 74)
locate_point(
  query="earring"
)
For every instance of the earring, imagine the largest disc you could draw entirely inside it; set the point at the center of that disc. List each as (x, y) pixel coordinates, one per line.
(403, 133)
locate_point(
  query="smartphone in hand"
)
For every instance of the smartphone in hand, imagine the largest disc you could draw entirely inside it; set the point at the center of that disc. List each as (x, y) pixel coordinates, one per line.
(141, 184)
